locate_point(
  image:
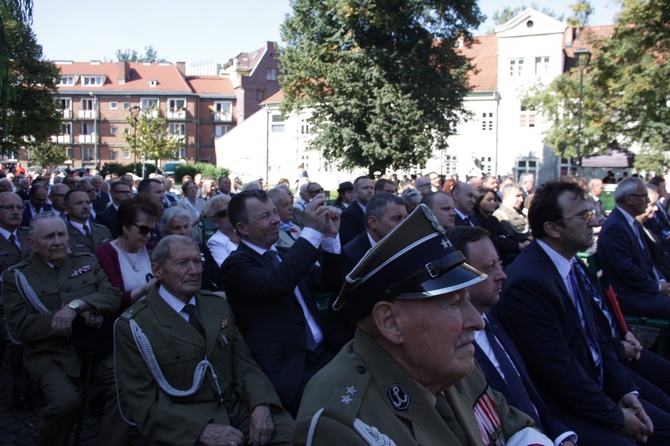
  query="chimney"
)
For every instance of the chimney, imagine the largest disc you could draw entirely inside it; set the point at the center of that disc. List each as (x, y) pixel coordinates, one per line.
(181, 66)
(123, 73)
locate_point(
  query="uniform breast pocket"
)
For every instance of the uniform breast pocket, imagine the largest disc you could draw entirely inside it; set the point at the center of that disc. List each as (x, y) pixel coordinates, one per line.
(178, 364)
(81, 285)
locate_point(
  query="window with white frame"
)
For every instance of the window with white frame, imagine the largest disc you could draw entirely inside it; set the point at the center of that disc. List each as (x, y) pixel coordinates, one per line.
(516, 67)
(126, 154)
(177, 129)
(68, 152)
(527, 118)
(271, 74)
(525, 165)
(65, 104)
(87, 128)
(113, 130)
(487, 121)
(92, 81)
(486, 164)
(149, 103)
(126, 105)
(113, 154)
(66, 128)
(304, 127)
(542, 66)
(260, 94)
(221, 130)
(223, 111)
(88, 153)
(87, 104)
(67, 79)
(113, 105)
(450, 164)
(126, 130)
(277, 128)
(176, 104)
(182, 153)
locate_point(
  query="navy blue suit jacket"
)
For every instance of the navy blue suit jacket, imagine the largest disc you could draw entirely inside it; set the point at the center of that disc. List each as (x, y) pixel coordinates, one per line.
(553, 428)
(27, 215)
(538, 313)
(629, 269)
(352, 223)
(108, 218)
(266, 311)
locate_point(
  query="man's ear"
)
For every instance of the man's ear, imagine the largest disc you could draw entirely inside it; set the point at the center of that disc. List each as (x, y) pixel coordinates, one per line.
(156, 270)
(552, 229)
(385, 316)
(241, 229)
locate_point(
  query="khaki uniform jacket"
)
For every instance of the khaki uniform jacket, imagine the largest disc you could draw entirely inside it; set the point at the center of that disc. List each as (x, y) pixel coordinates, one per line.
(515, 224)
(80, 243)
(364, 381)
(178, 348)
(79, 276)
(9, 255)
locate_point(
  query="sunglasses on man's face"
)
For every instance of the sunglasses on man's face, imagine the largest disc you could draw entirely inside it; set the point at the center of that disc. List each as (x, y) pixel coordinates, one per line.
(144, 229)
(222, 213)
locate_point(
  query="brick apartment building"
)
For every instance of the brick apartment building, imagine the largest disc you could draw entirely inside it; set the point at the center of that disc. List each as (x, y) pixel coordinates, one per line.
(97, 98)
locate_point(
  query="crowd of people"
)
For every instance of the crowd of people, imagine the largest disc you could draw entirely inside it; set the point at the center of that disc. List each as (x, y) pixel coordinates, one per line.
(402, 311)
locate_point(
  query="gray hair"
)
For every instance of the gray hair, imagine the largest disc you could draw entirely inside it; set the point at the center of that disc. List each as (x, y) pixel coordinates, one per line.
(252, 185)
(276, 192)
(83, 181)
(211, 204)
(625, 188)
(170, 214)
(411, 196)
(510, 188)
(379, 203)
(161, 253)
(43, 216)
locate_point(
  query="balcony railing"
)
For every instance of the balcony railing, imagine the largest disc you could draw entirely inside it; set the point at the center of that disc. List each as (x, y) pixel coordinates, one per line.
(67, 113)
(88, 139)
(88, 114)
(62, 139)
(176, 114)
(152, 113)
(178, 138)
(223, 116)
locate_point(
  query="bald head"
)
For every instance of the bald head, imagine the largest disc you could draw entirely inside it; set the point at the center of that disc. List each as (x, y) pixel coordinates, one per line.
(56, 196)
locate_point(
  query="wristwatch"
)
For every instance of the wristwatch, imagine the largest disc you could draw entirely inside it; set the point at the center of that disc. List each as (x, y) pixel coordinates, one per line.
(75, 304)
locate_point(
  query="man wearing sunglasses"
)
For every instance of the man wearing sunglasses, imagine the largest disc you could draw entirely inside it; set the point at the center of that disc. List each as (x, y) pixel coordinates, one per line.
(546, 307)
(119, 192)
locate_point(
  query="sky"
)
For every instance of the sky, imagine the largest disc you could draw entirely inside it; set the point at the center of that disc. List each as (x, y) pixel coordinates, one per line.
(195, 31)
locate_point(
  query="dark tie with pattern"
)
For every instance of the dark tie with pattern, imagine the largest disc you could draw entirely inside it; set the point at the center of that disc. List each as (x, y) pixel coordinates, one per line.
(12, 240)
(512, 377)
(468, 221)
(193, 318)
(87, 232)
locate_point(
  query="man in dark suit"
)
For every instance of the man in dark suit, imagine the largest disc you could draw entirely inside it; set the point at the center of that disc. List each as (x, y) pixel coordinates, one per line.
(353, 217)
(119, 191)
(464, 196)
(624, 256)
(57, 197)
(383, 213)
(272, 290)
(545, 309)
(442, 206)
(102, 198)
(225, 186)
(85, 185)
(595, 191)
(83, 236)
(37, 202)
(495, 352)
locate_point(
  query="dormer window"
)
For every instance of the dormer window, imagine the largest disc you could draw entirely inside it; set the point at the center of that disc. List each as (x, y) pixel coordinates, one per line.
(68, 80)
(92, 81)
(153, 83)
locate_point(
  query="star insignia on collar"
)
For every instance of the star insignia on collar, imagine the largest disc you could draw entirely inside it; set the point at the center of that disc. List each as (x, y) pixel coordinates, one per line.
(351, 390)
(445, 244)
(346, 399)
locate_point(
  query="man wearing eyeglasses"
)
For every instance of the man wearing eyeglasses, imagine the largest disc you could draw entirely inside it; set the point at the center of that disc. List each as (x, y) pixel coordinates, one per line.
(119, 192)
(545, 306)
(37, 202)
(641, 288)
(56, 196)
(13, 248)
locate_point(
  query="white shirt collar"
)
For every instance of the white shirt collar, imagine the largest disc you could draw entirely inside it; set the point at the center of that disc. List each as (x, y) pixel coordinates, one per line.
(562, 264)
(175, 303)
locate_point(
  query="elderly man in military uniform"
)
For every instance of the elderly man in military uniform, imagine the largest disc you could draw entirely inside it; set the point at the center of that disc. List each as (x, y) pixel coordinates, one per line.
(49, 297)
(409, 376)
(184, 370)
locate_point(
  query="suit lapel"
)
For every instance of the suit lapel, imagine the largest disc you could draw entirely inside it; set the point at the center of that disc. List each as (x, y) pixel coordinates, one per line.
(171, 320)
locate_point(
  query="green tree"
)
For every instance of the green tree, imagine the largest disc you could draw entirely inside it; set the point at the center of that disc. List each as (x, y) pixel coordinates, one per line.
(631, 72)
(47, 154)
(128, 55)
(581, 11)
(30, 114)
(154, 141)
(383, 78)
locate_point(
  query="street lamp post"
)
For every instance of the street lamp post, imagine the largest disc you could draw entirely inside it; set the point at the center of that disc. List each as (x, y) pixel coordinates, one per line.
(96, 110)
(134, 113)
(583, 56)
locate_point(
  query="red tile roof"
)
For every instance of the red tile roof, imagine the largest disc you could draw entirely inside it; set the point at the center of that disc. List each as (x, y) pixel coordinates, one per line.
(139, 75)
(483, 53)
(211, 85)
(276, 98)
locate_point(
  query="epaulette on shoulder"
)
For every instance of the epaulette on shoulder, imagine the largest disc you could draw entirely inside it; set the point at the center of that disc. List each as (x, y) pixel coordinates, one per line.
(345, 400)
(21, 264)
(134, 309)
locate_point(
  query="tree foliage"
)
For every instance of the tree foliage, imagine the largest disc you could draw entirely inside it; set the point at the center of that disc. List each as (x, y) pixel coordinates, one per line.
(154, 141)
(30, 115)
(47, 154)
(128, 55)
(581, 11)
(383, 78)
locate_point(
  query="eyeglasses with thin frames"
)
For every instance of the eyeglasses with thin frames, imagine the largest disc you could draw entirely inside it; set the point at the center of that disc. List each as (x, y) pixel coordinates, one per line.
(588, 215)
